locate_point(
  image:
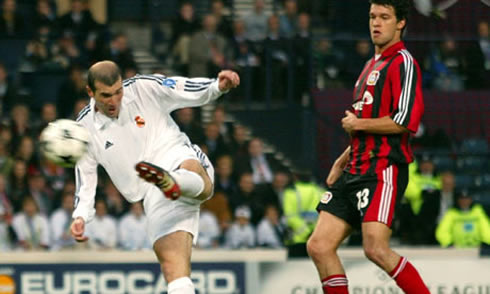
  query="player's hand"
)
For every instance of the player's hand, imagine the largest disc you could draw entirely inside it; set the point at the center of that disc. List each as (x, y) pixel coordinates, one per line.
(78, 229)
(349, 122)
(227, 80)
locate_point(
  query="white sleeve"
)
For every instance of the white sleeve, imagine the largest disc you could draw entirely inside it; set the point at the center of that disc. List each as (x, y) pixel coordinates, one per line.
(45, 236)
(86, 183)
(173, 93)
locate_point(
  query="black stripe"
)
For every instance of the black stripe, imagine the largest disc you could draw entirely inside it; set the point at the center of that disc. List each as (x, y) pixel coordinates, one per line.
(83, 112)
(195, 86)
(195, 90)
(362, 80)
(199, 83)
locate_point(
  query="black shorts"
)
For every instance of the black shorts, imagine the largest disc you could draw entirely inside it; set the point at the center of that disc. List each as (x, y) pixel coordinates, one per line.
(366, 198)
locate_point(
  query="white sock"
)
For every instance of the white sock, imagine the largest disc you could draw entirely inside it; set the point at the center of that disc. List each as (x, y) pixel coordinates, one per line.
(182, 285)
(190, 183)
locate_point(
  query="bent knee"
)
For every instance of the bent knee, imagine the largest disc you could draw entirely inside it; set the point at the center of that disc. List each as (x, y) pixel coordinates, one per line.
(375, 252)
(319, 247)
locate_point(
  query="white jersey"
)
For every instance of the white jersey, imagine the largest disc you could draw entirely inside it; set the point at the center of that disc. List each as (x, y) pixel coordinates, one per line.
(143, 131)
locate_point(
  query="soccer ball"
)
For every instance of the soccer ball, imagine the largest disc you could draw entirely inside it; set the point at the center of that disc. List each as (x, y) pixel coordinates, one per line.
(64, 142)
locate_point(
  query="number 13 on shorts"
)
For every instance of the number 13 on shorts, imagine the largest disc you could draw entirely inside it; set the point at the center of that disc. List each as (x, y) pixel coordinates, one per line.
(362, 199)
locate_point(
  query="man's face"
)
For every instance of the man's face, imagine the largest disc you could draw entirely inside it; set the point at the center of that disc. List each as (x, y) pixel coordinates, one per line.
(385, 29)
(107, 98)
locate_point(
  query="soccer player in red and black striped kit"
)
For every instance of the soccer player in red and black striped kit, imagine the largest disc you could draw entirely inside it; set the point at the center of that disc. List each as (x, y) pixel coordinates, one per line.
(366, 179)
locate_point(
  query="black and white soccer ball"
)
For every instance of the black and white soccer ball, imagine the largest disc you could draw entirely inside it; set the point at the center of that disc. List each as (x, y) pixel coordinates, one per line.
(64, 142)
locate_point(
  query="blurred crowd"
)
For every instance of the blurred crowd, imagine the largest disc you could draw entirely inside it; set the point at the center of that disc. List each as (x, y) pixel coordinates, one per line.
(258, 201)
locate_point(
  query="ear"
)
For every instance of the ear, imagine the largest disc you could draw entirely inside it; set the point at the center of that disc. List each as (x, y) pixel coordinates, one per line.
(401, 24)
(89, 91)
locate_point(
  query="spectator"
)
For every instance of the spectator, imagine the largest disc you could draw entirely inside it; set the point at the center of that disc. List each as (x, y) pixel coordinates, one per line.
(41, 193)
(214, 142)
(116, 205)
(225, 127)
(49, 114)
(477, 61)
(218, 205)
(6, 213)
(209, 230)
(78, 22)
(65, 52)
(11, 22)
(132, 229)
(256, 198)
(60, 222)
(79, 105)
(223, 22)
(276, 59)
(6, 161)
(270, 231)
(45, 15)
(302, 57)
(289, 19)
(241, 234)
(224, 180)
(18, 184)
(208, 50)
(183, 27)
(299, 208)
(72, 89)
(119, 52)
(445, 65)
(102, 230)
(279, 185)
(20, 123)
(31, 227)
(239, 142)
(260, 164)
(357, 59)
(8, 92)
(328, 62)
(256, 22)
(37, 53)
(465, 225)
(187, 123)
(55, 175)
(26, 152)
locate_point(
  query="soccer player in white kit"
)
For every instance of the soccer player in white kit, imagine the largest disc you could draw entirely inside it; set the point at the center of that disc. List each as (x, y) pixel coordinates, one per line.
(131, 128)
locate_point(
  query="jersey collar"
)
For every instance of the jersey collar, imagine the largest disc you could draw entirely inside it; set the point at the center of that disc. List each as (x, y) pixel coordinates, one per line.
(393, 49)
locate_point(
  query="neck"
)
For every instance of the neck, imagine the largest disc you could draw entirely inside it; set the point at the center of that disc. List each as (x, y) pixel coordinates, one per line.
(380, 49)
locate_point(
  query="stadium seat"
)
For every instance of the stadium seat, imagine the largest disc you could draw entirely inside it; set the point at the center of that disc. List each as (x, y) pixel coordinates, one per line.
(444, 163)
(483, 182)
(11, 53)
(474, 146)
(472, 164)
(464, 181)
(43, 86)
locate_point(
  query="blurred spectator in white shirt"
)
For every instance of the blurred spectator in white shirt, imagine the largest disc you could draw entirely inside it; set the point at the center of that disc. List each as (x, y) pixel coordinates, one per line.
(241, 233)
(209, 230)
(102, 230)
(270, 230)
(60, 222)
(6, 211)
(132, 229)
(256, 22)
(31, 227)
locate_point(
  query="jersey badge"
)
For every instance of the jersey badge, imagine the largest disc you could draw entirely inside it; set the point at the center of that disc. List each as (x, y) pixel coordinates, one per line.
(108, 144)
(140, 122)
(327, 196)
(373, 78)
(169, 83)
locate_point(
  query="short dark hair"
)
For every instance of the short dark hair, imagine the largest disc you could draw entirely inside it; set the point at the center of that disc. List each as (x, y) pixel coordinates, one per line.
(107, 75)
(402, 7)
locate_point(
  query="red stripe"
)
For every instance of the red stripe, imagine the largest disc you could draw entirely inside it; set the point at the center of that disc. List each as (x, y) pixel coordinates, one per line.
(354, 152)
(366, 156)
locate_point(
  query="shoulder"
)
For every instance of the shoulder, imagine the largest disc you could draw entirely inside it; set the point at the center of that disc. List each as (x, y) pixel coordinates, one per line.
(404, 57)
(81, 117)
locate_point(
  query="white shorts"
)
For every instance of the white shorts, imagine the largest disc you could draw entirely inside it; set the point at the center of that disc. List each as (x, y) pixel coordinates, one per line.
(168, 216)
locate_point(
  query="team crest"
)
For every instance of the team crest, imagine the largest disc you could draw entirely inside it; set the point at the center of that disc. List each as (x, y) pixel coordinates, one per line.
(327, 196)
(169, 83)
(373, 78)
(140, 122)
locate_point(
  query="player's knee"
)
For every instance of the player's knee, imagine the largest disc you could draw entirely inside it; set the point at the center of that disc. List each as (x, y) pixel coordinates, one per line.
(318, 248)
(375, 251)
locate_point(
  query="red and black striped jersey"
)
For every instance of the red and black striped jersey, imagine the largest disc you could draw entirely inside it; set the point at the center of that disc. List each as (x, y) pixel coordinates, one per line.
(389, 85)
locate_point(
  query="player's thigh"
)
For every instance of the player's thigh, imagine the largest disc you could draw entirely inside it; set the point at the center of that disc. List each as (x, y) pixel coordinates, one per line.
(330, 231)
(377, 197)
(174, 254)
